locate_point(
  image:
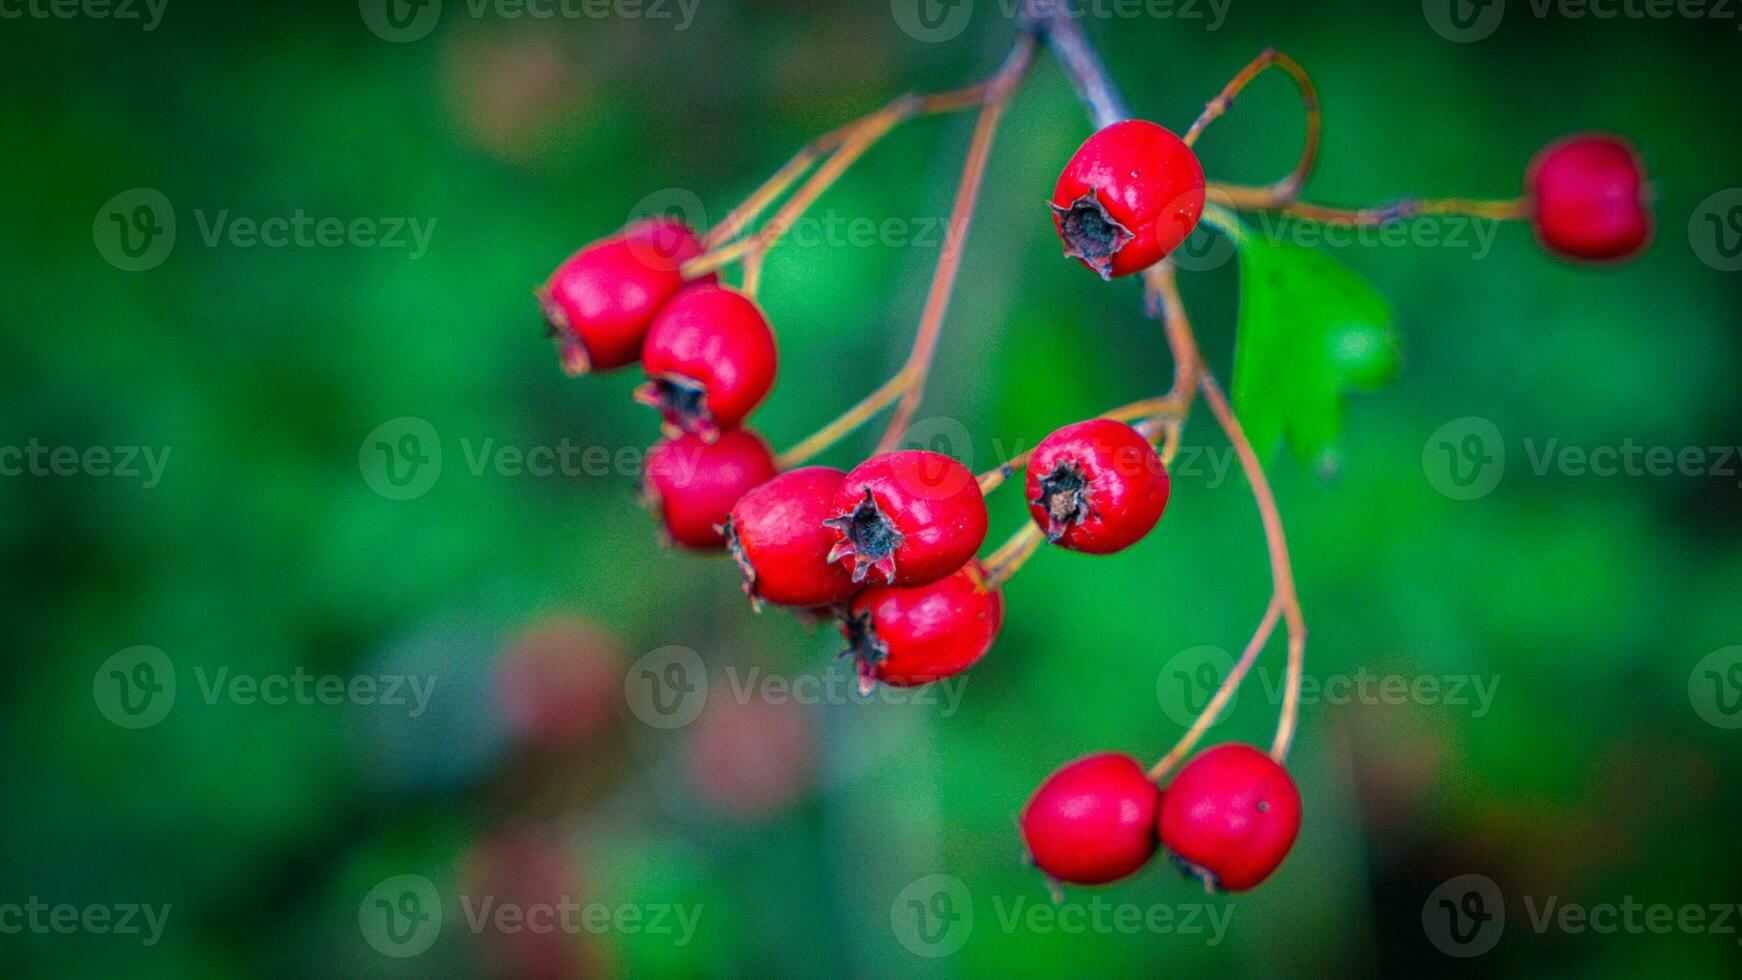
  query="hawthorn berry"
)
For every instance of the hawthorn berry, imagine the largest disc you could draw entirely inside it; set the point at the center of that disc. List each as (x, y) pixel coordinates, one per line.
(910, 637)
(777, 536)
(600, 302)
(710, 360)
(1229, 817)
(1589, 198)
(694, 483)
(1097, 487)
(911, 517)
(1093, 821)
(1129, 196)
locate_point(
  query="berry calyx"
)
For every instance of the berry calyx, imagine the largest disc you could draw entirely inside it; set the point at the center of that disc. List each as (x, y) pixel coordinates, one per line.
(910, 637)
(1097, 486)
(600, 302)
(907, 518)
(693, 483)
(1093, 821)
(710, 360)
(1129, 196)
(776, 535)
(1589, 198)
(1229, 817)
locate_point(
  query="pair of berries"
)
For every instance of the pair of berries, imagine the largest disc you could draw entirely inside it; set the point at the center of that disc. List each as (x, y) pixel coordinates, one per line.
(708, 352)
(1589, 199)
(1228, 818)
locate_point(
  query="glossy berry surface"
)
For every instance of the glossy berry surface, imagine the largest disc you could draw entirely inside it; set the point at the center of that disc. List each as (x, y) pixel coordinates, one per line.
(777, 536)
(710, 360)
(1097, 487)
(1129, 196)
(907, 518)
(693, 484)
(1589, 199)
(1229, 817)
(909, 637)
(1092, 821)
(600, 303)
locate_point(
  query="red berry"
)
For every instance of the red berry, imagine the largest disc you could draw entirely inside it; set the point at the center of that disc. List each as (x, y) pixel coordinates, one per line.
(776, 533)
(600, 302)
(710, 360)
(1096, 486)
(909, 637)
(1589, 198)
(1093, 821)
(1229, 817)
(1129, 196)
(694, 483)
(912, 517)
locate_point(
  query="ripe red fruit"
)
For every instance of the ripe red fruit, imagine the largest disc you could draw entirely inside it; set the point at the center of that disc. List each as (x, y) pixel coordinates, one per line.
(1229, 817)
(911, 517)
(1096, 486)
(776, 533)
(1589, 199)
(909, 637)
(601, 300)
(695, 483)
(1093, 821)
(710, 360)
(1129, 196)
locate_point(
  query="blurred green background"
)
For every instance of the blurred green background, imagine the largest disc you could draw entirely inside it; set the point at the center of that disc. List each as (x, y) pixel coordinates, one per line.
(796, 827)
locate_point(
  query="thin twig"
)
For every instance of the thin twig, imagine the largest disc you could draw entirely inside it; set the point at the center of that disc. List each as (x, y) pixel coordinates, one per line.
(1288, 188)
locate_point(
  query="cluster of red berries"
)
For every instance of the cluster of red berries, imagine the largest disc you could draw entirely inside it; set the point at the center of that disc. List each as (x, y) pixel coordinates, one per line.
(889, 547)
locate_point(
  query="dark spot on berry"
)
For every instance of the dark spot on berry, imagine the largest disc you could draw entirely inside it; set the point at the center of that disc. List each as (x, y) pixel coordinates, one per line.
(1091, 234)
(680, 397)
(1263, 806)
(736, 550)
(871, 537)
(1064, 495)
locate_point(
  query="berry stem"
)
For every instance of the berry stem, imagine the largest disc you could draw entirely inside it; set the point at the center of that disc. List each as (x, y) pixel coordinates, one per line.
(1282, 573)
(1064, 35)
(1403, 209)
(943, 284)
(1286, 189)
(1013, 554)
(1230, 684)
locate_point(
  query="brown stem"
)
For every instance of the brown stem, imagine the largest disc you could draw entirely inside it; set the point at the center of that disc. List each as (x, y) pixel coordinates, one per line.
(1286, 189)
(1230, 684)
(1263, 199)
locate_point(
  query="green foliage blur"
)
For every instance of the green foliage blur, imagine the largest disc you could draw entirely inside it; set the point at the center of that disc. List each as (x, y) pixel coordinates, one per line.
(1595, 774)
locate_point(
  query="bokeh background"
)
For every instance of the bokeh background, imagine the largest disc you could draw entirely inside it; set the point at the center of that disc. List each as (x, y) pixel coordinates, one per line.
(1600, 612)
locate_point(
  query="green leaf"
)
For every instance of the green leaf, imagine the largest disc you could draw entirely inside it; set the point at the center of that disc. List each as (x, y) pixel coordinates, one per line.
(1310, 331)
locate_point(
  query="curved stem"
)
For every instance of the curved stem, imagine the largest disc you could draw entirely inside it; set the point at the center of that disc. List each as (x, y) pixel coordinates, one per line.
(1230, 684)
(1281, 572)
(1286, 189)
(1013, 554)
